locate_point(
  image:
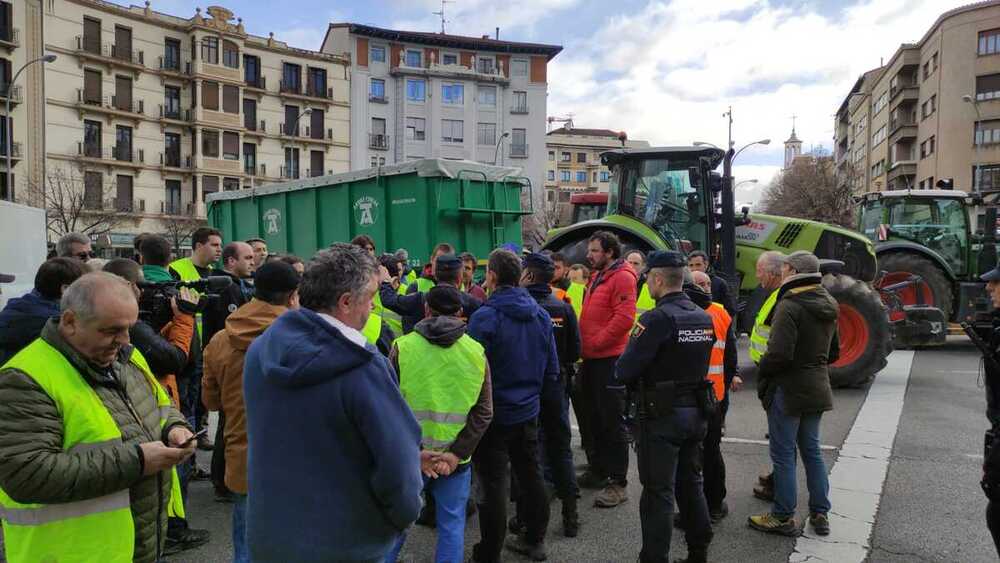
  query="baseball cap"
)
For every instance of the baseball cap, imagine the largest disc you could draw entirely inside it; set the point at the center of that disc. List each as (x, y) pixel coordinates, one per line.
(665, 259)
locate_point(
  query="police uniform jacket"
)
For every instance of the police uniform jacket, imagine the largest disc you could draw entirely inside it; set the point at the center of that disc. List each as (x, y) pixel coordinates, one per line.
(564, 326)
(672, 342)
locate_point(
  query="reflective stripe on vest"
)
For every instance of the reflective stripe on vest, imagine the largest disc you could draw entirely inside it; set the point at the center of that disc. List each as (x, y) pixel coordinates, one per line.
(186, 269)
(373, 328)
(98, 529)
(761, 332)
(645, 302)
(575, 294)
(441, 385)
(717, 360)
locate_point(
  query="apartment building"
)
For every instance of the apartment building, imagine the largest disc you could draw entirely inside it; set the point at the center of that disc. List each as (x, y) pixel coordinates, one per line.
(20, 23)
(574, 164)
(150, 112)
(432, 95)
(932, 113)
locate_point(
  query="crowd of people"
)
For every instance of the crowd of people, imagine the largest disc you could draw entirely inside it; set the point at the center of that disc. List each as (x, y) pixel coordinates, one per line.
(358, 395)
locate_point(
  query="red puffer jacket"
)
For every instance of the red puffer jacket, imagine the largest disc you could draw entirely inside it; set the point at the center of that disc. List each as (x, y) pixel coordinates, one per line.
(608, 311)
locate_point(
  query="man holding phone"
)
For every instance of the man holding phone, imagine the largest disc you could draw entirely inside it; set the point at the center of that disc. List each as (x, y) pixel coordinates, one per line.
(88, 438)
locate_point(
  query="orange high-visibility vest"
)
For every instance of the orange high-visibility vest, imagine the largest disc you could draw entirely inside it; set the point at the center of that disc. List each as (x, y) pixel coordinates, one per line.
(716, 362)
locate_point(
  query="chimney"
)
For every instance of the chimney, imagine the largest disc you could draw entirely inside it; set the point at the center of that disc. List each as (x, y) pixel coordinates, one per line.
(498, 34)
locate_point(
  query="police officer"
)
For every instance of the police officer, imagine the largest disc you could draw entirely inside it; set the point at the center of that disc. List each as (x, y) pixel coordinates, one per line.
(991, 462)
(674, 405)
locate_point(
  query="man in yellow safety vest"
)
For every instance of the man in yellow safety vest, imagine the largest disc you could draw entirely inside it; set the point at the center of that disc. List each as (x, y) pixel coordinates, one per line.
(88, 438)
(644, 302)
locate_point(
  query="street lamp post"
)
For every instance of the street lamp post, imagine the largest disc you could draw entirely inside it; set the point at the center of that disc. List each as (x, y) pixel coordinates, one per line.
(977, 179)
(753, 181)
(294, 131)
(499, 143)
(728, 257)
(8, 143)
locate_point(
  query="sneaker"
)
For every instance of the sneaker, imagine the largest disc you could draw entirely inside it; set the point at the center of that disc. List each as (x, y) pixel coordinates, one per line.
(185, 539)
(820, 523)
(719, 513)
(205, 444)
(771, 524)
(766, 479)
(694, 556)
(517, 527)
(534, 551)
(764, 493)
(612, 496)
(590, 480)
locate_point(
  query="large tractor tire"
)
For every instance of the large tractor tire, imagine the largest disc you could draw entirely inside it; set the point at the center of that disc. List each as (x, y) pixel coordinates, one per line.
(935, 287)
(863, 326)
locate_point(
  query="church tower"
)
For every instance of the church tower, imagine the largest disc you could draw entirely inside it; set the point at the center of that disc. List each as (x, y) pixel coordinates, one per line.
(793, 147)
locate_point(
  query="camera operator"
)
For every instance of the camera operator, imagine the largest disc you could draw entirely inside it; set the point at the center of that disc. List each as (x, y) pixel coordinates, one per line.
(166, 352)
(237, 264)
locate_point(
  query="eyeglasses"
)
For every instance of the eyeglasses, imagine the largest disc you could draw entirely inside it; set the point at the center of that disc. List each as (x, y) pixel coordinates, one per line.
(86, 255)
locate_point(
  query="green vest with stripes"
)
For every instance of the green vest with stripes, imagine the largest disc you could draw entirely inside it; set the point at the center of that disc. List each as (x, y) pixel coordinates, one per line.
(186, 269)
(761, 332)
(575, 294)
(441, 385)
(97, 529)
(645, 302)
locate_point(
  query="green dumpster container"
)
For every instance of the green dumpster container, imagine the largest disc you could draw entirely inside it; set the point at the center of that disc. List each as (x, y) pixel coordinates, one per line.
(415, 206)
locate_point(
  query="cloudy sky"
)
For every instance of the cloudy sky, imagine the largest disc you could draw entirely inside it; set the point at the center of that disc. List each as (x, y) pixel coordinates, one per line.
(662, 70)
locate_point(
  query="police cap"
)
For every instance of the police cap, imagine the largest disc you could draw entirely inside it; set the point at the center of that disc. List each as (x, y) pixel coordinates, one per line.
(992, 275)
(665, 259)
(541, 262)
(447, 263)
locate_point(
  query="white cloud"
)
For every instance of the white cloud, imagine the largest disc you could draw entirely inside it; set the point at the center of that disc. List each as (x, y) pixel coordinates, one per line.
(667, 72)
(304, 34)
(479, 17)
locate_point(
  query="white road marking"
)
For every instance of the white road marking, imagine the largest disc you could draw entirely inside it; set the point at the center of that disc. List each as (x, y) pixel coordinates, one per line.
(859, 474)
(727, 439)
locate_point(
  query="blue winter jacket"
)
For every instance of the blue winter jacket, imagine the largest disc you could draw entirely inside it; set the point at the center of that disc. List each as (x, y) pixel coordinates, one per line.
(334, 450)
(22, 320)
(517, 335)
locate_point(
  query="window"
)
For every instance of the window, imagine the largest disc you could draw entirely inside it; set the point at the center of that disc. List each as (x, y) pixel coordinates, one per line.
(92, 139)
(250, 159)
(989, 42)
(859, 129)
(251, 71)
(92, 35)
(210, 50)
(230, 99)
(926, 183)
(93, 190)
(564, 175)
(565, 157)
(315, 163)
(291, 121)
(230, 184)
(449, 59)
(878, 168)
(518, 143)
(453, 94)
(605, 176)
(172, 197)
(210, 95)
(552, 175)
(879, 136)
(291, 78)
(581, 177)
(123, 143)
(414, 58)
(987, 132)
(172, 102)
(488, 95)
(552, 156)
(927, 148)
(986, 177)
(291, 163)
(988, 87)
(123, 93)
(92, 91)
(927, 69)
(172, 149)
(415, 90)
(934, 62)
(250, 114)
(520, 102)
(317, 82)
(377, 138)
(378, 126)
(209, 185)
(927, 108)
(210, 143)
(486, 65)
(564, 197)
(519, 67)
(452, 131)
(581, 158)
(880, 103)
(230, 54)
(859, 154)
(317, 123)
(486, 134)
(377, 54)
(376, 90)
(122, 49)
(415, 128)
(230, 145)
(171, 54)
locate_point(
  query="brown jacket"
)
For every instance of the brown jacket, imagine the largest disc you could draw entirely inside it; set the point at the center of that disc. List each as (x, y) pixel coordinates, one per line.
(222, 383)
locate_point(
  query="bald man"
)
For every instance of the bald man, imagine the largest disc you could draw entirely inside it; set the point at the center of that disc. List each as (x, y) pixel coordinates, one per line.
(87, 433)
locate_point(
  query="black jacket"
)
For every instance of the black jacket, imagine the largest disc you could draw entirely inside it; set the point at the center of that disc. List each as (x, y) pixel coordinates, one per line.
(721, 295)
(411, 306)
(163, 357)
(219, 308)
(564, 324)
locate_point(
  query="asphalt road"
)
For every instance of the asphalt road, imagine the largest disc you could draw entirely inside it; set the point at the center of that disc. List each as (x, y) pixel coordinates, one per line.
(931, 508)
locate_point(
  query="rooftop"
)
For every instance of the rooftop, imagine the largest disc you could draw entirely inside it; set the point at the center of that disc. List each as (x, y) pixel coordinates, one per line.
(585, 132)
(448, 40)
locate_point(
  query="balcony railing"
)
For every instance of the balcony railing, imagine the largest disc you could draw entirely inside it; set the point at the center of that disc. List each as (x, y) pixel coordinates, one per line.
(290, 173)
(290, 87)
(171, 207)
(519, 108)
(517, 151)
(130, 205)
(289, 131)
(10, 36)
(174, 160)
(259, 82)
(134, 56)
(377, 98)
(15, 94)
(110, 51)
(319, 91)
(174, 65)
(181, 114)
(378, 141)
(15, 149)
(130, 106)
(249, 167)
(126, 154)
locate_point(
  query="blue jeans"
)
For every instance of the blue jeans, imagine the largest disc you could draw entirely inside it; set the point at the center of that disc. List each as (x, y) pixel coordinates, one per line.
(450, 495)
(787, 431)
(241, 554)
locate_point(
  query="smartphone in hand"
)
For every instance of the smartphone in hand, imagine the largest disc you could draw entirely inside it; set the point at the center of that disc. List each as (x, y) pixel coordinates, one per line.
(196, 435)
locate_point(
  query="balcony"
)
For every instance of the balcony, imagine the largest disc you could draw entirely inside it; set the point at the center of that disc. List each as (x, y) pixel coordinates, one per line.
(378, 141)
(111, 156)
(123, 205)
(176, 208)
(15, 96)
(434, 69)
(174, 160)
(305, 91)
(517, 151)
(126, 154)
(256, 128)
(306, 133)
(181, 69)
(175, 114)
(903, 94)
(288, 131)
(256, 82)
(290, 87)
(15, 150)
(901, 129)
(519, 109)
(110, 54)
(377, 98)
(111, 106)
(319, 91)
(10, 38)
(902, 170)
(289, 172)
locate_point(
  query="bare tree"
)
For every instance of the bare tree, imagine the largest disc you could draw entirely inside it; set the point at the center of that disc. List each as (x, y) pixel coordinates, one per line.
(70, 209)
(544, 220)
(178, 228)
(810, 190)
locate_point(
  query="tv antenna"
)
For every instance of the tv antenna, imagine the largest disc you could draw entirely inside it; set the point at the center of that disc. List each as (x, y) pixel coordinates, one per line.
(441, 13)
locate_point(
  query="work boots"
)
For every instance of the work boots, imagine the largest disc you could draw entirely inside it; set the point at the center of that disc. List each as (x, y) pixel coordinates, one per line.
(695, 556)
(571, 519)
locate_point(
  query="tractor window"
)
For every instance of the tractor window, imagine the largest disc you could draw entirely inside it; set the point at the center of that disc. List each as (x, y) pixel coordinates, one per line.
(939, 224)
(659, 193)
(871, 218)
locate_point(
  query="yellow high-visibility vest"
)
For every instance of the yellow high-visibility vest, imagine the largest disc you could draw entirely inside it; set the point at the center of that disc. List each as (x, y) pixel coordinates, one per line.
(575, 294)
(645, 302)
(761, 332)
(186, 269)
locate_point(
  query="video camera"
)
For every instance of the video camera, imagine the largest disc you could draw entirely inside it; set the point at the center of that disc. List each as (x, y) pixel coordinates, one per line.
(154, 301)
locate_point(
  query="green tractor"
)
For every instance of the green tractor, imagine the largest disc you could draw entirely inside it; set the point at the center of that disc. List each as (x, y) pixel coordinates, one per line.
(671, 198)
(927, 248)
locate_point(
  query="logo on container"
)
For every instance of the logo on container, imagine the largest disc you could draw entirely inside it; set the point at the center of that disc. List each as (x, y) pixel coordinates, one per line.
(366, 210)
(272, 221)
